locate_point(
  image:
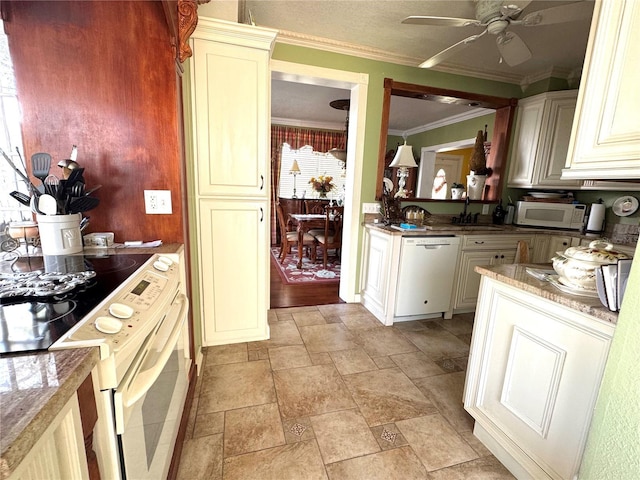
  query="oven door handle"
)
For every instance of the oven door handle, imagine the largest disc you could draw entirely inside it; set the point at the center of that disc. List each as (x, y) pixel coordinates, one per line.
(137, 383)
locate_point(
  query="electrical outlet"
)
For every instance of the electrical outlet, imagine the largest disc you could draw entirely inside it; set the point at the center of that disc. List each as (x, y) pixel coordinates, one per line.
(157, 202)
(485, 209)
(371, 207)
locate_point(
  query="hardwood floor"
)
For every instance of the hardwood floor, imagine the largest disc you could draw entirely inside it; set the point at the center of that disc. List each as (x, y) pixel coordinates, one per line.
(283, 295)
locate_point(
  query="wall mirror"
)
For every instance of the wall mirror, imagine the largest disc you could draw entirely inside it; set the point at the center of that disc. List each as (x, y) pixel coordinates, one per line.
(499, 134)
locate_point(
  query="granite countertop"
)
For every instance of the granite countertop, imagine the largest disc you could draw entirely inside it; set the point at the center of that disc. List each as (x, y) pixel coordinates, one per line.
(33, 389)
(516, 276)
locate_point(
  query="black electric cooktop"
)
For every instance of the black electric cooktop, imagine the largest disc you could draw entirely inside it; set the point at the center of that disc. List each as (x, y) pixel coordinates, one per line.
(41, 298)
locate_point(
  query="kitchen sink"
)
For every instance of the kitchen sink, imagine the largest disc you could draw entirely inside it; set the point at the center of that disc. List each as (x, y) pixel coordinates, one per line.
(464, 227)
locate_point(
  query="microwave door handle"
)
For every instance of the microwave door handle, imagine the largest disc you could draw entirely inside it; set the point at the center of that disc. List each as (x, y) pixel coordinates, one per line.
(136, 383)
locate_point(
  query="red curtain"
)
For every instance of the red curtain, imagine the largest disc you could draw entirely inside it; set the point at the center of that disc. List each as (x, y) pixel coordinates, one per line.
(296, 137)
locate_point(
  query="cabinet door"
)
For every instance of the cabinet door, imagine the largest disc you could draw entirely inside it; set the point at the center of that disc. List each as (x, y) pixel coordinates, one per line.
(468, 281)
(554, 142)
(231, 108)
(606, 133)
(376, 267)
(527, 133)
(543, 407)
(234, 260)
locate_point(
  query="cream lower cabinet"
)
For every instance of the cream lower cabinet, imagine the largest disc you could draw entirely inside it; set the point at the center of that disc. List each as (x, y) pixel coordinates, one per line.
(481, 250)
(534, 374)
(59, 452)
(546, 246)
(228, 110)
(605, 140)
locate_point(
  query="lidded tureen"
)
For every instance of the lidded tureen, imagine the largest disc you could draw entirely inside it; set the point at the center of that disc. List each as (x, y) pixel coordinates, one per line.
(577, 265)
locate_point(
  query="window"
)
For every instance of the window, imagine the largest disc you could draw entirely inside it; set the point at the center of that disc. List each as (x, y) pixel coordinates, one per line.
(10, 138)
(311, 164)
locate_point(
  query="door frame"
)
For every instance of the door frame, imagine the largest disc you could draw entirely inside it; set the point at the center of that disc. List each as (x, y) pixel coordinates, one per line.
(357, 83)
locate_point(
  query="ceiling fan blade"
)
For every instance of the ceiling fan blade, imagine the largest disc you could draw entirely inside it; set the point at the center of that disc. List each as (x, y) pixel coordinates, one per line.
(512, 49)
(563, 13)
(440, 21)
(448, 52)
(516, 4)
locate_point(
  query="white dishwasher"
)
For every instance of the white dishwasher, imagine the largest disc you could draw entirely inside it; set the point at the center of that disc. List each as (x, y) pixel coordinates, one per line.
(425, 279)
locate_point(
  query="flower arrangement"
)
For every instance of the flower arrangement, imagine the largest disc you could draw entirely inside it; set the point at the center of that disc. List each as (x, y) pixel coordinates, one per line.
(322, 184)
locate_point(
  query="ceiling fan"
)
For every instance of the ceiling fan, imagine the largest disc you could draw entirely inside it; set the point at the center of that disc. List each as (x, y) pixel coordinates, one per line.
(496, 17)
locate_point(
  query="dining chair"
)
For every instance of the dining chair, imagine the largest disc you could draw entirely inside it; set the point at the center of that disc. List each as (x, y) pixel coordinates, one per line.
(315, 206)
(289, 237)
(331, 237)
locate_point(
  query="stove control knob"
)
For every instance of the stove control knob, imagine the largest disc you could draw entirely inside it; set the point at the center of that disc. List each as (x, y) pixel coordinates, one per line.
(166, 260)
(120, 311)
(108, 325)
(158, 265)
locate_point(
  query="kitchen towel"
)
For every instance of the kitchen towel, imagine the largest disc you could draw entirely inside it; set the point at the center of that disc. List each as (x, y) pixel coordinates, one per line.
(596, 218)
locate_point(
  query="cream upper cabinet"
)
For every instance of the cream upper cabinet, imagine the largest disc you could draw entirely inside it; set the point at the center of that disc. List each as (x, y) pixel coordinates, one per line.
(605, 140)
(541, 140)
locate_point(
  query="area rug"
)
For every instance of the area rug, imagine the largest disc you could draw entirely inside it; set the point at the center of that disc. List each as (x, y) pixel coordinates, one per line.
(310, 272)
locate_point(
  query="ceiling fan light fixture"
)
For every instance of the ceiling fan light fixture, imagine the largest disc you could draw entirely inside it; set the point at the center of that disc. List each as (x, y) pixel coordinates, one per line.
(341, 153)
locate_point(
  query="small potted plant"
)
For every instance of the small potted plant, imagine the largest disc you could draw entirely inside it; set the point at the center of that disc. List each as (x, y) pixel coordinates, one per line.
(457, 189)
(479, 170)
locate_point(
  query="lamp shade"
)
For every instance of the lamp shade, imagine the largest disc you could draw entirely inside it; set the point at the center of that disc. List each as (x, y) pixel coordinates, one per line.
(404, 157)
(294, 168)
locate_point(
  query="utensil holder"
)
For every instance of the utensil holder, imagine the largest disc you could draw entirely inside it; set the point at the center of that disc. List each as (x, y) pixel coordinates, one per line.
(60, 234)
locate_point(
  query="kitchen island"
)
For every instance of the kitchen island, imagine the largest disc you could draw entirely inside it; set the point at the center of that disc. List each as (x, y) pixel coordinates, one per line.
(536, 363)
(35, 388)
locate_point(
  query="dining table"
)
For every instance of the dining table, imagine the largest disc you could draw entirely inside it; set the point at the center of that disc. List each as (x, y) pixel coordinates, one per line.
(304, 223)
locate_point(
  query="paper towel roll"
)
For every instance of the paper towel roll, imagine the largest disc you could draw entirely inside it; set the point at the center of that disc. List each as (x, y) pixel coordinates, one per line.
(596, 218)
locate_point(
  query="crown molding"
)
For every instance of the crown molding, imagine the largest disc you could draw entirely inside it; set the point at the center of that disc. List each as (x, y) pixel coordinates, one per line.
(475, 113)
(295, 122)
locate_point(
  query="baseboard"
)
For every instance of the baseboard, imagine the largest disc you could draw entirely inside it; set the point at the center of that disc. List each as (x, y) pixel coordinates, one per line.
(199, 361)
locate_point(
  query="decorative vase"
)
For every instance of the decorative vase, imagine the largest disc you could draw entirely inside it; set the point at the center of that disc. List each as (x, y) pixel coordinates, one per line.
(456, 193)
(322, 194)
(475, 186)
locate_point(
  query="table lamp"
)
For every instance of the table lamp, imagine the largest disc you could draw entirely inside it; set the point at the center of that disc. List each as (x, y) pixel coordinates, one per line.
(295, 171)
(403, 161)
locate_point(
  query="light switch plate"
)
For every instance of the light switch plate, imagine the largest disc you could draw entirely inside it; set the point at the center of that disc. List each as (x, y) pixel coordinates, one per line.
(371, 207)
(485, 209)
(157, 202)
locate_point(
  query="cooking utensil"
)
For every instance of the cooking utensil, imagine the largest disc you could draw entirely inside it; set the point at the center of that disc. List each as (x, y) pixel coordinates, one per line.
(77, 190)
(75, 176)
(18, 172)
(67, 167)
(23, 198)
(83, 204)
(51, 184)
(34, 204)
(91, 190)
(41, 163)
(48, 204)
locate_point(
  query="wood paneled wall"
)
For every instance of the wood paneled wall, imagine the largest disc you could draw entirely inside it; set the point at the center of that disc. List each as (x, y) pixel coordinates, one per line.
(102, 75)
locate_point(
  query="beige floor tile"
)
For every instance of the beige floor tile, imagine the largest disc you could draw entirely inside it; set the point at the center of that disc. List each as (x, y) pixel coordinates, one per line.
(283, 315)
(466, 338)
(342, 435)
(460, 324)
(361, 320)
(435, 442)
(289, 357)
(342, 309)
(236, 385)
(385, 396)
(438, 344)
(450, 365)
(384, 362)
(209, 424)
(191, 421)
(311, 391)
(251, 429)
(296, 461)
(327, 338)
(201, 458)
(298, 429)
(399, 463)
(475, 443)
(446, 392)
(283, 333)
(272, 316)
(388, 436)
(383, 341)
(258, 354)
(222, 354)
(352, 361)
(409, 326)
(488, 468)
(322, 358)
(416, 365)
(303, 319)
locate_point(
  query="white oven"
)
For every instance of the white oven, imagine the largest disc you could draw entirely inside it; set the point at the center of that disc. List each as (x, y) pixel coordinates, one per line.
(142, 377)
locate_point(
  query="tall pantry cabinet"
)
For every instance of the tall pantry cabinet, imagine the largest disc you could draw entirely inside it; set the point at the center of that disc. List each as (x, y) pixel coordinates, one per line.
(230, 86)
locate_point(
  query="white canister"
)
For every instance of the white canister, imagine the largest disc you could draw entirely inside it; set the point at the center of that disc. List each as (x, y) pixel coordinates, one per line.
(60, 234)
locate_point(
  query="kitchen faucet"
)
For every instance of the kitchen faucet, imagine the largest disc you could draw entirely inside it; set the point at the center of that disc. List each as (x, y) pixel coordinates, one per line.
(465, 217)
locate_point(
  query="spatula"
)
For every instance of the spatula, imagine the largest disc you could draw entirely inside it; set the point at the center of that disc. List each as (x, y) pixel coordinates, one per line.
(83, 204)
(41, 163)
(23, 198)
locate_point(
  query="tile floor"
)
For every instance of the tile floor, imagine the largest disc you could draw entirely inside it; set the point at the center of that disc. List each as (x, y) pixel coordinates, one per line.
(335, 395)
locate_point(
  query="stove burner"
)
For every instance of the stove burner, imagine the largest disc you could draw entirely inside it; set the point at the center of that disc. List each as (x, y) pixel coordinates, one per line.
(16, 287)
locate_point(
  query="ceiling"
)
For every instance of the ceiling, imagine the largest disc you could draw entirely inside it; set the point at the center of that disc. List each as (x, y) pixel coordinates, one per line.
(373, 28)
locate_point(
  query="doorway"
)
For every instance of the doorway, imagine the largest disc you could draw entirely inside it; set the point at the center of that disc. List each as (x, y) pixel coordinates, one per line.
(356, 83)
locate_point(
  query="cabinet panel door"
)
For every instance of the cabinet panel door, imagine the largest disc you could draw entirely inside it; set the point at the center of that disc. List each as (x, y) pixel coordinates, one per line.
(376, 278)
(525, 145)
(234, 261)
(606, 134)
(468, 281)
(232, 108)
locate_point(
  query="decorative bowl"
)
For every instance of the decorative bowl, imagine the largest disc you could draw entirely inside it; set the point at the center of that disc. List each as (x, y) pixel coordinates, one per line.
(577, 265)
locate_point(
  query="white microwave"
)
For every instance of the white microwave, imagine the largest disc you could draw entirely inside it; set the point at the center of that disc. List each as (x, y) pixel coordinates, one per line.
(568, 216)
